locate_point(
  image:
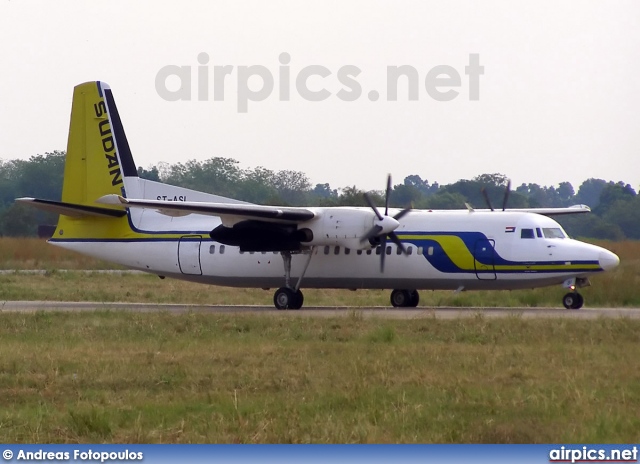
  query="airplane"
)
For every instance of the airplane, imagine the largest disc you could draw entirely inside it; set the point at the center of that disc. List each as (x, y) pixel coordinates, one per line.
(110, 213)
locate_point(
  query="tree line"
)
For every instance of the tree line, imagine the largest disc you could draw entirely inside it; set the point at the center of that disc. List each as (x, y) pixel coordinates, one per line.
(615, 205)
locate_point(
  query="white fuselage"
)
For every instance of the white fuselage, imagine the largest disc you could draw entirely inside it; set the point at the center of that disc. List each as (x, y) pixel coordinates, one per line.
(448, 250)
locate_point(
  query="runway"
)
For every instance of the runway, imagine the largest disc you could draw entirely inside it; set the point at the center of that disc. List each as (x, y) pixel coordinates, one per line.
(376, 312)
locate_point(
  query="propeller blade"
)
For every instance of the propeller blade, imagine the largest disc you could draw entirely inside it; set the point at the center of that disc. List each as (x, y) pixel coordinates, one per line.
(383, 253)
(507, 191)
(486, 198)
(388, 193)
(372, 206)
(402, 213)
(394, 238)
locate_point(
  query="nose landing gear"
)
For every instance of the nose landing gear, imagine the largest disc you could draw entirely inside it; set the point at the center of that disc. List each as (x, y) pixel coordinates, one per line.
(573, 300)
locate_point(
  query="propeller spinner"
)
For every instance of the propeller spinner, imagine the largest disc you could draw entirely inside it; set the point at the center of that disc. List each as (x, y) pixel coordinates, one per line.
(384, 227)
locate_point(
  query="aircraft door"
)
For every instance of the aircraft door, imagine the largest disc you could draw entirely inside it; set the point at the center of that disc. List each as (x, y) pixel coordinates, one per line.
(484, 262)
(189, 254)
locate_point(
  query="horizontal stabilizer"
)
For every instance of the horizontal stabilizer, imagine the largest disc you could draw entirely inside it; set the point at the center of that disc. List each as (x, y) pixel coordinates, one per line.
(71, 209)
(232, 211)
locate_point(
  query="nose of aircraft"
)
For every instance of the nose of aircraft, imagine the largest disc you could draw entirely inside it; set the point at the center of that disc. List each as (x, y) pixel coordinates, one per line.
(608, 260)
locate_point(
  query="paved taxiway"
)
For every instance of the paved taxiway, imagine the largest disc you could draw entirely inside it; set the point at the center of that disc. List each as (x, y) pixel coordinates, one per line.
(389, 313)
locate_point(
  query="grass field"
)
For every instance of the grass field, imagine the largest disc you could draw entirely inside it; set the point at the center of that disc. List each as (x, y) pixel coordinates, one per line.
(127, 377)
(616, 288)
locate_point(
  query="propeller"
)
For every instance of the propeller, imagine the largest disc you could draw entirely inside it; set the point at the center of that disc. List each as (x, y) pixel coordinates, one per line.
(505, 199)
(383, 229)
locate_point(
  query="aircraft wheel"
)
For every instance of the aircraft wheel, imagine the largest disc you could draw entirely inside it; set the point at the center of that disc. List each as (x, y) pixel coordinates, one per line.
(298, 300)
(414, 298)
(579, 301)
(284, 298)
(400, 298)
(573, 300)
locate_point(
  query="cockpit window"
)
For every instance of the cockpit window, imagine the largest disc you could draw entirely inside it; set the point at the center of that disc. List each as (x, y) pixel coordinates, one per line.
(526, 233)
(553, 232)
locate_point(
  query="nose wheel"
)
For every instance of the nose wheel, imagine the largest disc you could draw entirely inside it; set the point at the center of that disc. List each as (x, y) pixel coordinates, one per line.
(573, 300)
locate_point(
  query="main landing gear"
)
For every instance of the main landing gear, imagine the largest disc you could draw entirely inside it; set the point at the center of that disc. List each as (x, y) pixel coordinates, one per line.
(573, 300)
(289, 297)
(405, 298)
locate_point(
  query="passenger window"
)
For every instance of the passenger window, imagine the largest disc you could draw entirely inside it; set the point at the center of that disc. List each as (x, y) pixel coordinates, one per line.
(359, 252)
(526, 233)
(378, 250)
(222, 249)
(326, 249)
(347, 251)
(388, 250)
(398, 250)
(420, 250)
(430, 251)
(369, 251)
(409, 251)
(212, 249)
(336, 251)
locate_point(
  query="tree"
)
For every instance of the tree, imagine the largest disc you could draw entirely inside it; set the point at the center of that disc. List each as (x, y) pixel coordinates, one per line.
(612, 193)
(625, 213)
(150, 174)
(445, 200)
(565, 193)
(589, 192)
(18, 220)
(404, 195)
(422, 186)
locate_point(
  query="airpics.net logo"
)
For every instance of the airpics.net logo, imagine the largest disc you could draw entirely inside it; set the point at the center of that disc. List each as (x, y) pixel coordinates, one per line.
(257, 83)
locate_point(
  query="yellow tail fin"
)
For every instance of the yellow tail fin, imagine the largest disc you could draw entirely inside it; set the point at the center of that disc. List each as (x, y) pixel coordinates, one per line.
(98, 158)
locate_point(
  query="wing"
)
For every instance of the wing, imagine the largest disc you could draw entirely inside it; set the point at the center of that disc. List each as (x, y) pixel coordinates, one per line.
(229, 213)
(575, 209)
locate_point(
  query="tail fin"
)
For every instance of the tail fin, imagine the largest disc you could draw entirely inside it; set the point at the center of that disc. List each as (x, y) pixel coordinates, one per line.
(98, 153)
(97, 163)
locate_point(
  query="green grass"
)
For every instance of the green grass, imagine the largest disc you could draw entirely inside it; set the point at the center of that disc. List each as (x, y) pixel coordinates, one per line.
(163, 378)
(146, 288)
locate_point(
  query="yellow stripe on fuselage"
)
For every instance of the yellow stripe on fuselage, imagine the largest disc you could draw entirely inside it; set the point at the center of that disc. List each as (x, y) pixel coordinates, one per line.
(460, 255)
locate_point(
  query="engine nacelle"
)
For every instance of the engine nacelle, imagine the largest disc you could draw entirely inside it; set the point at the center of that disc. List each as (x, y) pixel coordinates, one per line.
(339, 227)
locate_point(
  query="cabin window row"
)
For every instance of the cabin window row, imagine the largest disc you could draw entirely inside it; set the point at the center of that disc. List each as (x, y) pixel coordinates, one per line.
(338, 250)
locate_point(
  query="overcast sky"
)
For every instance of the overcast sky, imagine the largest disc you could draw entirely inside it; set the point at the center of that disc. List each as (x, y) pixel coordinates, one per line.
(559, 98)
